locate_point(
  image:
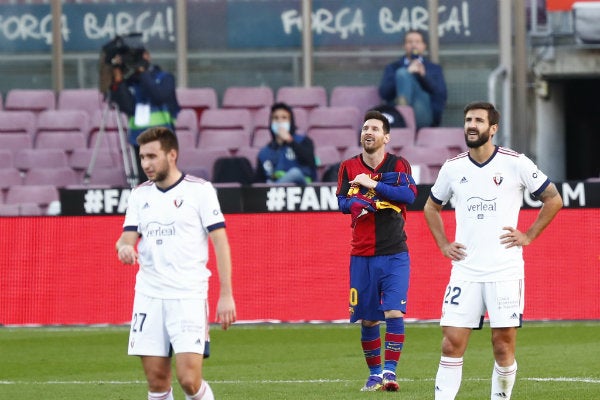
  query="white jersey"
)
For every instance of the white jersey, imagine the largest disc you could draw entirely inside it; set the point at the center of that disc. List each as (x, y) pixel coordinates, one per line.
(174, 225)
(487, 197)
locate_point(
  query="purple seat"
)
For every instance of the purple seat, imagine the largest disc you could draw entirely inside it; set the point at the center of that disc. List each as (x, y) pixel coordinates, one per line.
(225, 129)
(24, 209)
(35, 100)
(432, 157)
(336, 126)
(452, 138)
(191, 160)
(327, 156)
(60, 177)
(111, 137)
(80, 159)
(197, 99)
(400, 138)
(88, 100)
(186, 128)
(6, 159)
(42, 195)
(251, 98)
(409, 117)
(251, 153)
(362, 97)
(62, 129)
(109, 176)
(17, 130)
(9, 177)
(27, 159)
(305, 97)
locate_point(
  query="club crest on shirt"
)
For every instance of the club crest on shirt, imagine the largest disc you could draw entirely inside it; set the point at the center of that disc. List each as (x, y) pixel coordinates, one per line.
(178, 202)
(498, 178)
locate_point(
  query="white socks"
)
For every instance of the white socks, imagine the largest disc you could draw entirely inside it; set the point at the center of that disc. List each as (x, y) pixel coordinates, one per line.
(448, 378)
(205, 393)
(503, 380)
(161, 396)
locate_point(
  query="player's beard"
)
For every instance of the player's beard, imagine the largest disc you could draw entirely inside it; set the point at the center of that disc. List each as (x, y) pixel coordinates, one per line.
(371, 148)
(161, 173)
(482, 139)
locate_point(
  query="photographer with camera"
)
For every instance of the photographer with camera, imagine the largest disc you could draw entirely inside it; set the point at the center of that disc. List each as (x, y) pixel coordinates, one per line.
(142, 90)
(415, 81)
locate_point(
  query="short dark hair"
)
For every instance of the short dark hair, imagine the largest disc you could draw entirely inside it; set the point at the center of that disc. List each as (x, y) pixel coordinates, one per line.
(372, 114)
(408, 32)
(493, 114)
(286, 107)
(166, 137)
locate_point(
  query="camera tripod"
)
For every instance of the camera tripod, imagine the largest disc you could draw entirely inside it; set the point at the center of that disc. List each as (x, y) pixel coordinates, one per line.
(127, 152)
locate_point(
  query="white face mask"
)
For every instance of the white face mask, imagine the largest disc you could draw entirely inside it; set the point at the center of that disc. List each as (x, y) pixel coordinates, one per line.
(275, 126)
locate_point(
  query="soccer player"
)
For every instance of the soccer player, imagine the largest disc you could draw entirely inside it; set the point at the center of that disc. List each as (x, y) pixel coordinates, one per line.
(375, 187)
(487, 185)
(173, 215)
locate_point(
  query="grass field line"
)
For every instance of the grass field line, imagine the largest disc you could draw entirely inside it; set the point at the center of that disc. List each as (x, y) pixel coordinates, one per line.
(297, 381)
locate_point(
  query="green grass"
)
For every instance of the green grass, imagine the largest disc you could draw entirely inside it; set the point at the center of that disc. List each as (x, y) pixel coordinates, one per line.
(556, 360)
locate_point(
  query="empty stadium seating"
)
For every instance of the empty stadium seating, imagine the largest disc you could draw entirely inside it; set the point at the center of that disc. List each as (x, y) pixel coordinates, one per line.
(251, 98)
(334, 126)
(197, 99)
(225, 129)
(88, 100)
(304, 97)
(62, 129)
(362, 97)
(17, 130)
(186, 128)
(452, 138)
(35, 100)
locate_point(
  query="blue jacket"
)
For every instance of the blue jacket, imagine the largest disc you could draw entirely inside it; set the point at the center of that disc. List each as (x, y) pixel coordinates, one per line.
(154, 87)
(275, 159)
(433, 83)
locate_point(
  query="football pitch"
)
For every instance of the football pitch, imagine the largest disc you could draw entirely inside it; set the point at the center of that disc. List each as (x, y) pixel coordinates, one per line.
(558, 360)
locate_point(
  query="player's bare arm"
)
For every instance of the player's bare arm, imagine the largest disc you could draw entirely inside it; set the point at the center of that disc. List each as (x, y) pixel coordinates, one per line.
(126, 247)
(226, 313)
(452, 250)
(551, 204)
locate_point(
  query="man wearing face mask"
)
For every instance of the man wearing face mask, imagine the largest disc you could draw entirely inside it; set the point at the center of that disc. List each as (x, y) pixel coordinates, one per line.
(415, 81)
(289, 157)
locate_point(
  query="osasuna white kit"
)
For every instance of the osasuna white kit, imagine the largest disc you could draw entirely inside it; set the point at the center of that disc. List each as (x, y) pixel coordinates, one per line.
(487, 197)
(170, 304)
(174, 225)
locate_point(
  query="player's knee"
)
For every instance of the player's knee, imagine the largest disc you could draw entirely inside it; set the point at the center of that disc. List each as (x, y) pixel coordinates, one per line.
(189, 384)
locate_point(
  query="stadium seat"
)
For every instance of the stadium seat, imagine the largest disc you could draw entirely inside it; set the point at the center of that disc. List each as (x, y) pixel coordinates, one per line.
(80, 160)
(452, 138)
(351, 151)
(304, 97)
(17, 130)
(400, 138)
(88, 100)
(22, 209)
(409, 117)
(62, 129)
(6, 159)
(27, 159)
(192, 160)
(42, 195)
(251, 153)
(60, 177)
(197, 99)
(326, 157)
(336, 126)
(9, 177)
(225, 129)
(432, 157)
(35, 100)
(109, 176)
(251, 98)
(186, 128)
(109, 121)
(362, 97)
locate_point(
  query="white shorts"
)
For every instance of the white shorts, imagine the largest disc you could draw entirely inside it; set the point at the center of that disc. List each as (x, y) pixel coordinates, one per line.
(465, 303)
(160, 327)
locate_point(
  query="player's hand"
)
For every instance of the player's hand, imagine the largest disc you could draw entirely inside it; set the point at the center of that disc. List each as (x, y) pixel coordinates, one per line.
(127, 254)
(226, 314)
(454, 251)
(364, 180)
(513, 238)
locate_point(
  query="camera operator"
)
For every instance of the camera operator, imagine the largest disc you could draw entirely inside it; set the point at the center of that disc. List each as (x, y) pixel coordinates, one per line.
(145, 93)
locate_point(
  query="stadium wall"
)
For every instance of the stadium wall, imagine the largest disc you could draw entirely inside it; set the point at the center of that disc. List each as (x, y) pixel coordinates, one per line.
(288, 266)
